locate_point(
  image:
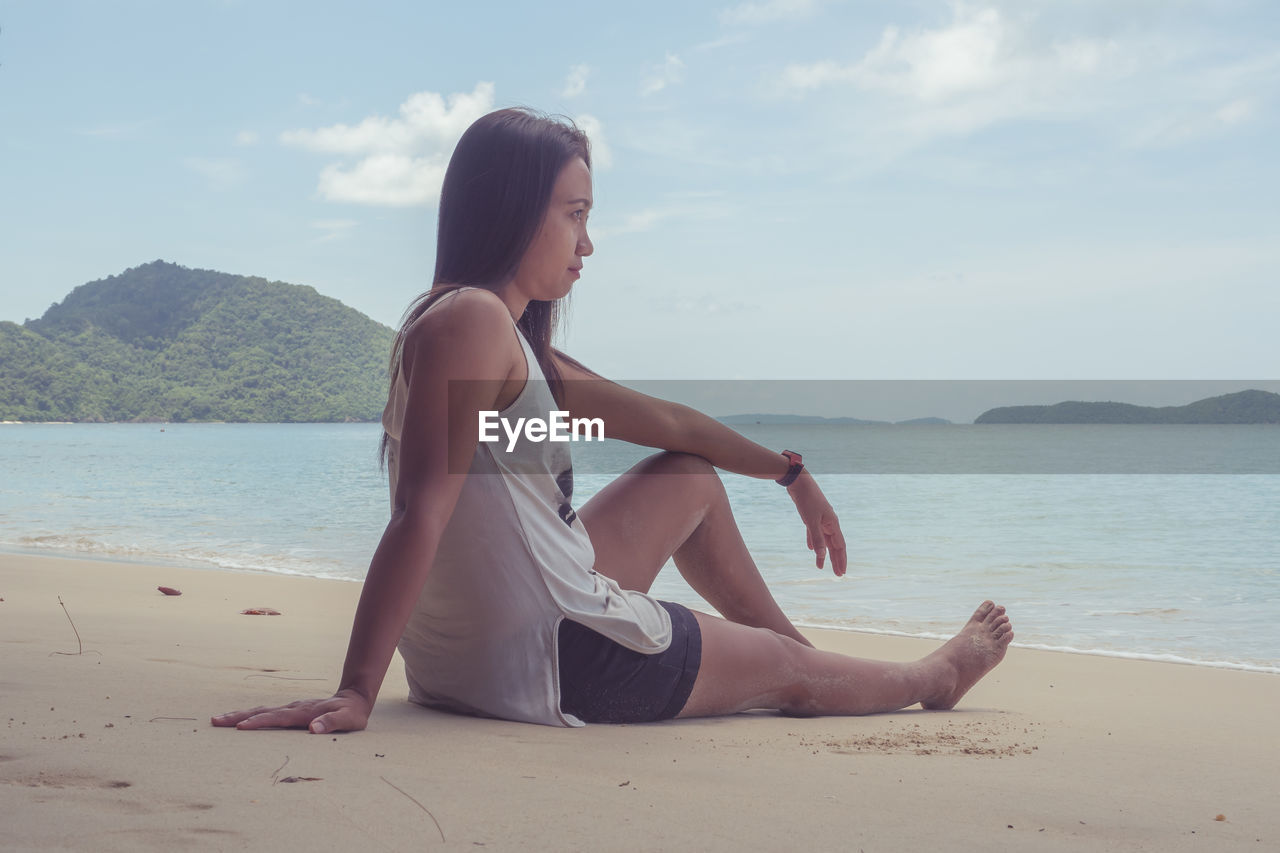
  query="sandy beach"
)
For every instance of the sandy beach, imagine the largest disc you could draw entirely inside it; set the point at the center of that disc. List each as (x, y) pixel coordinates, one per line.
(111, 748)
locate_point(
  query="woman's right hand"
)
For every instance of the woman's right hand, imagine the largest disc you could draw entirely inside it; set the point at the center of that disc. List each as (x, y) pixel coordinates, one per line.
(822, 527)
(345, 711)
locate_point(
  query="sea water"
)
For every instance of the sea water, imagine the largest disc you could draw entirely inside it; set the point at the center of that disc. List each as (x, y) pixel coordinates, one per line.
(1159, 542)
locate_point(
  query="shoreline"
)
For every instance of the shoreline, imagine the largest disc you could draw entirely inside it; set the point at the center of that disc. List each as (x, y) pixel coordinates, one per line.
(1149, 657)
(186, 423)
(193, 565)
(111, 749)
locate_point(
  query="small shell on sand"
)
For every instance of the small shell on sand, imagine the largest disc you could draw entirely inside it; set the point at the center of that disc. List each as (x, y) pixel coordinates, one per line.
(260, 611)
(168, 590)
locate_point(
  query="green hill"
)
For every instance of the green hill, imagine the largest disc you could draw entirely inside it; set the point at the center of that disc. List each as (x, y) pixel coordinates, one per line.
(1243, 407)
(161, 342)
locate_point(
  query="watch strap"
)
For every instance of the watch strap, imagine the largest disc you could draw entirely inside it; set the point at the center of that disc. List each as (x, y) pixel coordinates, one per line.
(797, 465)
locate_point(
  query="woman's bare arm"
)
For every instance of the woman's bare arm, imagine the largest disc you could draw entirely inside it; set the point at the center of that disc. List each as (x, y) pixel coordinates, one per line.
(650, 421)
(470, 339)
(653, 422)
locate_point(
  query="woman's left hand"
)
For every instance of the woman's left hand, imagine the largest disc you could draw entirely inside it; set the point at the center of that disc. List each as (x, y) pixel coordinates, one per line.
(822, 528)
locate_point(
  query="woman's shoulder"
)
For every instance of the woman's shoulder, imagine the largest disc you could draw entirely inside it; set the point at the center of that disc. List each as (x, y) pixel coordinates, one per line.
(469, 309)
(462, 304)
(468, 319)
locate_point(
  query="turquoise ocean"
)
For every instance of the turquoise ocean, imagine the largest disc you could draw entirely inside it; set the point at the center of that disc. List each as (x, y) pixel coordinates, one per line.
(1159, 542)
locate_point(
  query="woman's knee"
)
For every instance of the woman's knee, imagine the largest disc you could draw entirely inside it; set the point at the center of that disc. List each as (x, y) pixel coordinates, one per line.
(675, 462)
(742, 668)
(795, 693)
(701, 474)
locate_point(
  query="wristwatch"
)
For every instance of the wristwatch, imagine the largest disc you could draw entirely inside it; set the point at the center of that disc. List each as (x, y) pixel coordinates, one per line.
(797, 465)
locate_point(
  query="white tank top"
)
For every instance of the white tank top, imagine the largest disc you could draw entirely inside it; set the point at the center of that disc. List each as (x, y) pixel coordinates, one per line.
(512, 562)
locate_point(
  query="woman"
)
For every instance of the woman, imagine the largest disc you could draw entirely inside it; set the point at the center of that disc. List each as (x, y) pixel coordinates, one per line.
(506, 602)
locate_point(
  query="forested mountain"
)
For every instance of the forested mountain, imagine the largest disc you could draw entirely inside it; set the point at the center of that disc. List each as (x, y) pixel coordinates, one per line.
(1243, 407)
(161, 342)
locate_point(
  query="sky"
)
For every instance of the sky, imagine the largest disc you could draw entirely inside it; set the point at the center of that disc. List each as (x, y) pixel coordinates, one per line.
(785, 189)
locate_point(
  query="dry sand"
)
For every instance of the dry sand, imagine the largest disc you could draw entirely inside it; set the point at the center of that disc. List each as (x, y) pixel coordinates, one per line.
(112, 749)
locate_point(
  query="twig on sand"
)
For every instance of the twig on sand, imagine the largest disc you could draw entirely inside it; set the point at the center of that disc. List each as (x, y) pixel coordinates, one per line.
(79, 642)
(419, 805)
(153, 719)
(282, 677)
(276, 774)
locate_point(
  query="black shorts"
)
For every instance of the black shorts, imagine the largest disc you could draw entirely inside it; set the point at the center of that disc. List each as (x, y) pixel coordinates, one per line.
(604, 682)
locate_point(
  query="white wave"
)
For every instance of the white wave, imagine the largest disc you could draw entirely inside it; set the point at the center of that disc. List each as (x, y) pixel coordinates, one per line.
(96, 549)
(1108, 653)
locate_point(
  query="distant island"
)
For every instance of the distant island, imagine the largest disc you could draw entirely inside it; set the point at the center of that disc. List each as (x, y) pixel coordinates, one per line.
(780, 420)
(161, 342)
(1243, 407)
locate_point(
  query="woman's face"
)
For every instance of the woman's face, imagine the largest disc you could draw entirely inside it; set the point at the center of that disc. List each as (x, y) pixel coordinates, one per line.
(553, 261)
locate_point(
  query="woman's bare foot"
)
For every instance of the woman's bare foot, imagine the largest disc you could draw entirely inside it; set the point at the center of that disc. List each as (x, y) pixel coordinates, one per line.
(969, 655)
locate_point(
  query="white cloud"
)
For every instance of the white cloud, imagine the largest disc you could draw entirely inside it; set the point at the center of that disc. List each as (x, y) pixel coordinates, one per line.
(1210, 98)
(720, 41)
(392, 180)
(1194, 122)
(399, 162)
(996, 61)
(767, 12)
(334, 229)
(601, 153)
(980, 68)
(689, 206)
(334, 224)
(814, 75)
(667, 73)
(245, 138)
(576, 82)
(973, 53)
(221, 173)
(425, 118)
(1241, 109)
(978, 51)
(634, 223)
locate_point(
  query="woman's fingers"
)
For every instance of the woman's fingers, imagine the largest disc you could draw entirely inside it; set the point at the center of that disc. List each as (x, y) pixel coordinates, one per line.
(232, 718)
(839, 559)
(829, 540)
(817, 544)
(277, 718)
(341, 720)
(337, 714)
(294, 715)
(815, 540)
(839, 556)
(822, 527)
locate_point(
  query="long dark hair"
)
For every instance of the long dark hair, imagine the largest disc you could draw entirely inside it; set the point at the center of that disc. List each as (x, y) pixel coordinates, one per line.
(495, 193)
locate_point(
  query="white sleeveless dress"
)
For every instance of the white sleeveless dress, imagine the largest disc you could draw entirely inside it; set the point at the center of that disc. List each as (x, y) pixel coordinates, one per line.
(514, 560)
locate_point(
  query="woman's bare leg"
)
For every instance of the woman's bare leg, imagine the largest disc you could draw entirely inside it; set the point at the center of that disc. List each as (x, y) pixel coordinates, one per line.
(744, 668)
(674, 505)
